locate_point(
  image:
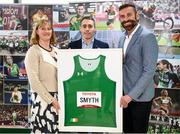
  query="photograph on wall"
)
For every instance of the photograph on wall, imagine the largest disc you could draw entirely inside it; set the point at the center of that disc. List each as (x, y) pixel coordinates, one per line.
(155, 14)
(167, 73)
(91, 90)
(13, 116)
(169, 38)
(77, 11)
(62, 39)
(14, 17)
(169, 43)
(39, 12)
(14, 68)
(1, 18)
(107, 15)
(162, 16)
(61, 17)
(1, 79)
(109, 36)
(1, 91)
(165, 111)
(1, 67)
(74, 35)
(13, 42)
(176, 38)
(16, 93)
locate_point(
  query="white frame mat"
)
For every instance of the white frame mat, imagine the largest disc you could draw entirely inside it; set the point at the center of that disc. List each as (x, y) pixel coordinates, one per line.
(113, 68)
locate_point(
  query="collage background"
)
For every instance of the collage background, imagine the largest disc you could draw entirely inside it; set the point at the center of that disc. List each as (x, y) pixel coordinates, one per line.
(60, 16)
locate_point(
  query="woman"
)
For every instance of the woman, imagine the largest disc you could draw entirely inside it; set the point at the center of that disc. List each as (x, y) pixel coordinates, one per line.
(167, 78)
(11, 69)
(163, 102)
(40, 62)
(16, 96)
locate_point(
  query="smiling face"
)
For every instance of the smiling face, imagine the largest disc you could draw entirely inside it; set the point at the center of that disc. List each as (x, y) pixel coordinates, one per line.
(128, 18)
(44, 32)
(87, 29)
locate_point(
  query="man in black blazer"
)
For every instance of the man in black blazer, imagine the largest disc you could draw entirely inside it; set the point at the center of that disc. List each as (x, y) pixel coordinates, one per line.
(88, 41)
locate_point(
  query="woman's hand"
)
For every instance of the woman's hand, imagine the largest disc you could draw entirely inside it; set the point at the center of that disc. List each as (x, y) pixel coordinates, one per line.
(56, 105)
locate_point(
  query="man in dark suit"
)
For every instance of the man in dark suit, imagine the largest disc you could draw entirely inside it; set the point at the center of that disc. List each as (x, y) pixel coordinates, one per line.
(87, 29)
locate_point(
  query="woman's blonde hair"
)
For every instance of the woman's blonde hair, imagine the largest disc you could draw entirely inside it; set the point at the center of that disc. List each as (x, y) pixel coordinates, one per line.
(34, 36)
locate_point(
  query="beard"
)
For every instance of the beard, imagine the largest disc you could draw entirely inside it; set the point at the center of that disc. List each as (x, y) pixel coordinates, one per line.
(130, 26)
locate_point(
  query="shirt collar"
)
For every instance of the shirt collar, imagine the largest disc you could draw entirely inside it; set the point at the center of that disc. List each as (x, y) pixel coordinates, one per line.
(90, 45)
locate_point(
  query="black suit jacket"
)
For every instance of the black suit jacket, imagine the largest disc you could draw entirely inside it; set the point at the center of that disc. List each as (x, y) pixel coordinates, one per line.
(97, 44)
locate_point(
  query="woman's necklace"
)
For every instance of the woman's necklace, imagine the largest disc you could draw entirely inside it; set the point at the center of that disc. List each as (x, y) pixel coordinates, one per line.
(49, 49)
(54, 55)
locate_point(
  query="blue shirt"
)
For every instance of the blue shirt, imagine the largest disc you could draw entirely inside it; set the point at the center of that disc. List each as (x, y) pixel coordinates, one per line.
(87, 46)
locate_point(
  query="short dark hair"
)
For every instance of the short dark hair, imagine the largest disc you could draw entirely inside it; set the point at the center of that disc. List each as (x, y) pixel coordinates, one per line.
(127, 5)
(87, 18)
(164, 62)
(80, 4)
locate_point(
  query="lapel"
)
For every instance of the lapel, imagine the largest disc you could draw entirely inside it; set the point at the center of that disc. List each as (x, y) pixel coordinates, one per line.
(133, 39)
(95, 44)
(121, 41)
(79, 44)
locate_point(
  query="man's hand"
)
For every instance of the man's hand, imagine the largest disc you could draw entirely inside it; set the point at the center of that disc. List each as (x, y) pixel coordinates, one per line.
(125, 101)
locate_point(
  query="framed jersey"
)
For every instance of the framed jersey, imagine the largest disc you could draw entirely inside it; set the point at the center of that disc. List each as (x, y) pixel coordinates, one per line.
(90, 87)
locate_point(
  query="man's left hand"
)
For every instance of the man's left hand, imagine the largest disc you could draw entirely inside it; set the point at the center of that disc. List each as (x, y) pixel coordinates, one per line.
(125, 101)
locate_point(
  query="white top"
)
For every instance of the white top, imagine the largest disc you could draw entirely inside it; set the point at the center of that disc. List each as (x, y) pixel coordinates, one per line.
(128, 39)
(18, 99)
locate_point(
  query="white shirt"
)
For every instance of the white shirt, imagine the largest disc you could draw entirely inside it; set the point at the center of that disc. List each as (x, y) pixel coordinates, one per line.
(128, 39)
(47, 57)
(18, 99)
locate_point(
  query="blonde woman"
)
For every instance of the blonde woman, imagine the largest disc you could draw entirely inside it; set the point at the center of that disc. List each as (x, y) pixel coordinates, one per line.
(40, 62)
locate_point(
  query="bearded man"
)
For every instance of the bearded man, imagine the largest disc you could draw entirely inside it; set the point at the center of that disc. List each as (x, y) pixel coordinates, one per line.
(140, 52)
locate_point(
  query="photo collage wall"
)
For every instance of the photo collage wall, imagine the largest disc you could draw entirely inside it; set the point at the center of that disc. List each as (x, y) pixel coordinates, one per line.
(16, 24)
